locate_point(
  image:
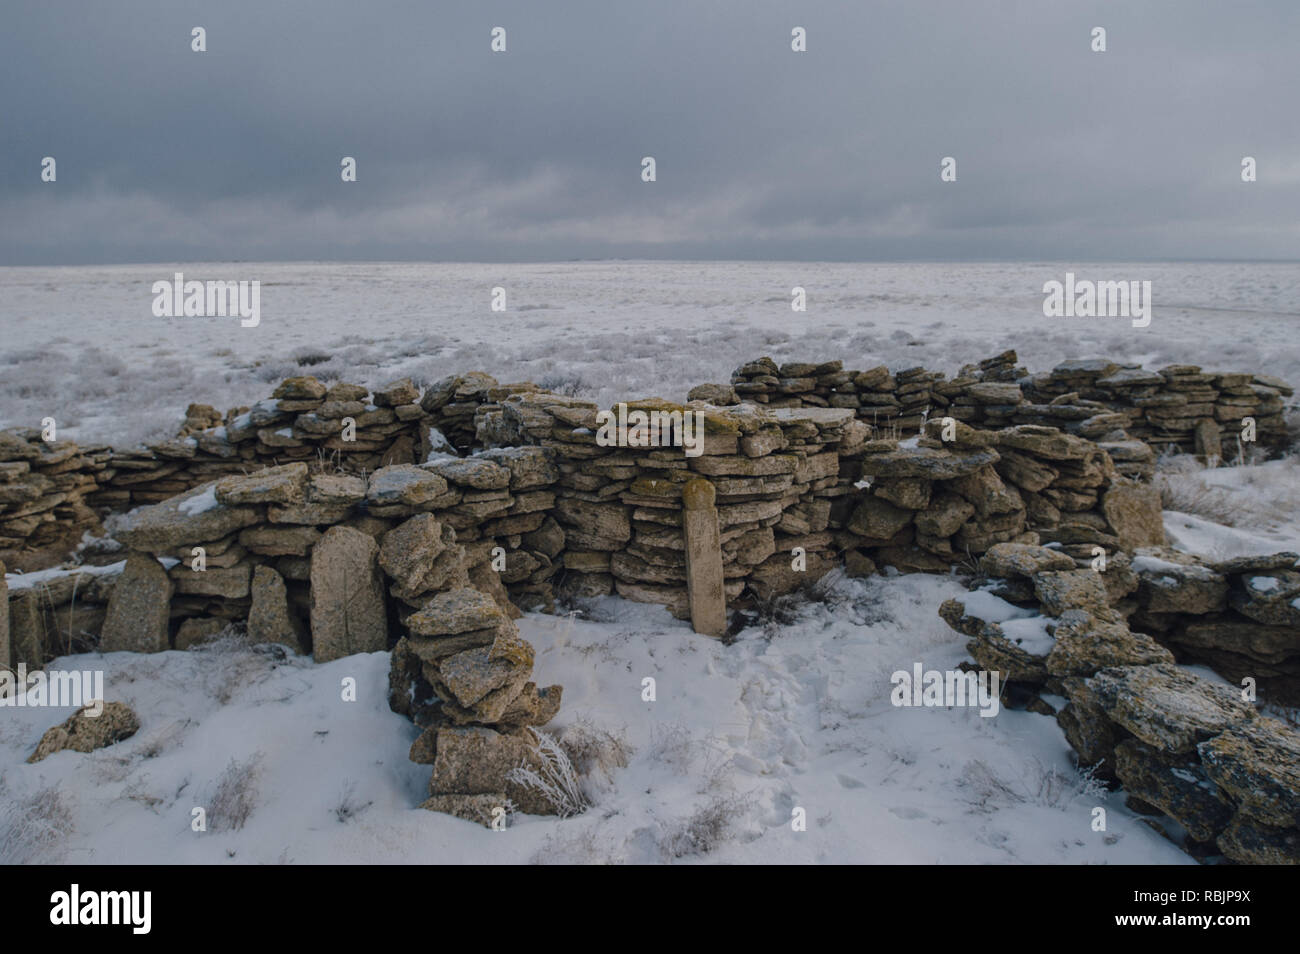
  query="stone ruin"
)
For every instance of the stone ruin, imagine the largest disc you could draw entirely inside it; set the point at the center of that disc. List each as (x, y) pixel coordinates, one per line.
(335, 521)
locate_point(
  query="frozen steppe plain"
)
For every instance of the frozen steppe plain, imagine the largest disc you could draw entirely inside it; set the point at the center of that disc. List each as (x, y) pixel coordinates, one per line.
(81, 344)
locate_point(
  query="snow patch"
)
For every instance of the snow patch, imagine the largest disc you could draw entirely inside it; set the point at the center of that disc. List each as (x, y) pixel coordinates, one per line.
(993, 609)
(199, 503)
(25, 581)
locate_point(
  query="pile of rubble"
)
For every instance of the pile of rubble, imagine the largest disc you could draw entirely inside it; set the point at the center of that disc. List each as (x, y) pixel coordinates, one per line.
(1239, 616)
(1183, 745)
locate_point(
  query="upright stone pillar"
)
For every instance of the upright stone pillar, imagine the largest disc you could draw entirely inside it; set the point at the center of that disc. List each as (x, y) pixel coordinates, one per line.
(703, 558)
(6, 660)
(1209, 445)
(137, 617)
(348, 612)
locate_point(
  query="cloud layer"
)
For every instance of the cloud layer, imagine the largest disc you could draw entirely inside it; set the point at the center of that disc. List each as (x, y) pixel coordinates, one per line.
(165, 154)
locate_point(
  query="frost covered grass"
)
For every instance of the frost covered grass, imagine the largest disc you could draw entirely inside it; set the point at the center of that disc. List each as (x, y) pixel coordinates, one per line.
(33, 826)
(554, 777)
(1188, 493)
(596, 754)
(1230, 511)
(707, 828)
(1039, 784)
(235, 796)
(1259, 496)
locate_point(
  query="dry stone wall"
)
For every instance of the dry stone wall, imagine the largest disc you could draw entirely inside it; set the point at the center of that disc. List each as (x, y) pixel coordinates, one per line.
(1178, 407)
(329, 563)
(620, 506)
(342, 427)
(46, 492)
(334, 521)
(524, 501)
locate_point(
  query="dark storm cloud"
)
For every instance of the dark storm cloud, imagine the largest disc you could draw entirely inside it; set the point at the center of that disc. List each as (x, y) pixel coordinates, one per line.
(165, 154)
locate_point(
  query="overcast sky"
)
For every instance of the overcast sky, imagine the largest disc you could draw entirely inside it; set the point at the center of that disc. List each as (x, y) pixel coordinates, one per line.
(164, 154)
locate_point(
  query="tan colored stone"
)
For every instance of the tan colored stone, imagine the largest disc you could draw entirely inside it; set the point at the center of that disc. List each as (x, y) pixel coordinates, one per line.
(704, 576)
(348, 612)
(137, 619)
(84, 731)
(1134, 514)
(269, 618)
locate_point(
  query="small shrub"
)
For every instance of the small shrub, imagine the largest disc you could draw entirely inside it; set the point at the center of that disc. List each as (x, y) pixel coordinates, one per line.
(349, 806)
(985, 789)
(1040, 784)
(569, 385)
(785, 609)
(706, 828)
(581, 847)
(236, 794)
(671, 745)
(307, 357)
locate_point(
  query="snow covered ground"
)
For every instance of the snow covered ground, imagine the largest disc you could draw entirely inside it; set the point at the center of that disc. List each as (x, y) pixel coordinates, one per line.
(81, 344)
(736, 739)
(1228, 512)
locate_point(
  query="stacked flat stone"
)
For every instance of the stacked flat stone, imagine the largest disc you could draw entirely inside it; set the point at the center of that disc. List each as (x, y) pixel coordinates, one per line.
(983, 404)
(792, 477)
(303, 420)
(1180, 744)
(926, 504)
(453, 403)
(1177, 408)
(620, 507)
(505, 500)
(44, 487)
(238, 524)
(463, 674)
(1004, 367)
(794, 384)
(815, 438)
(317, 561)
(1239, 616)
